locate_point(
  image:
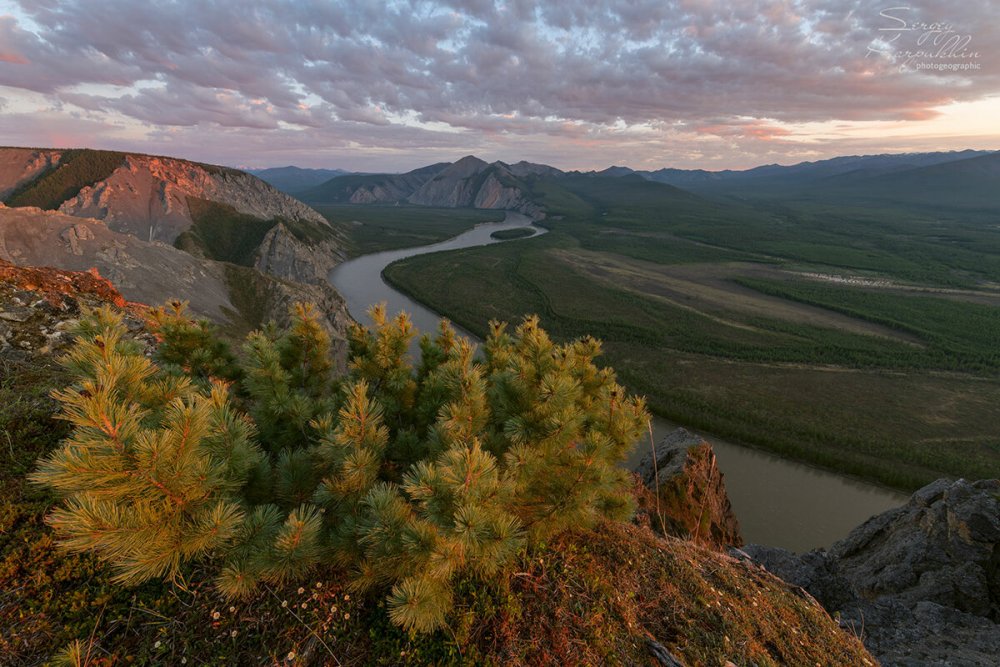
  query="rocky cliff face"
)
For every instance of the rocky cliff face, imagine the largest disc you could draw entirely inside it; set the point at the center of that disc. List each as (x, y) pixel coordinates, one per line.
(921, 582)
(150, 198)
(238, 298)
(147, 197)
(686, 493)
(283, 255)
(472, 182)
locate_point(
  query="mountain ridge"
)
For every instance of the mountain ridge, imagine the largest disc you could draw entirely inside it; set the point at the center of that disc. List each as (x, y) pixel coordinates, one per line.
(467, 182)
(234, 246)
(291, 179)
(473, 182)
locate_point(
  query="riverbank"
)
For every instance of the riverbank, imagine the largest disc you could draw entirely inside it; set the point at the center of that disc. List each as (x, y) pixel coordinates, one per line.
(778, 502)
(717, 357)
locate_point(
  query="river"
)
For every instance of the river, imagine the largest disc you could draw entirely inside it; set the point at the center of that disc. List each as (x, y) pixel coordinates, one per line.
(778, 502)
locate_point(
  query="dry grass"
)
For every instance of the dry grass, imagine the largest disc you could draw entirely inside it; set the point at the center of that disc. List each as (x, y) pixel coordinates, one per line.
(599, 597)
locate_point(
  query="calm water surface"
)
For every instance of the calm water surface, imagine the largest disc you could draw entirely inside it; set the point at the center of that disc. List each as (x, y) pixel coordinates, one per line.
(778, 502)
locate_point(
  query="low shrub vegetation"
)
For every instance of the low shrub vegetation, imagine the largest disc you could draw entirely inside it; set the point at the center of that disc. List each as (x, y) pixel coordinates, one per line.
(265, 466)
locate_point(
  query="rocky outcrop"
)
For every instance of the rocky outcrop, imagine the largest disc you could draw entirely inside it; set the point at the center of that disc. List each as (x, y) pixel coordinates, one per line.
(687, 493)
(147, 197)
(921, 583)
(239, 298)
(454, 186)
(282, 255)
(39, 305)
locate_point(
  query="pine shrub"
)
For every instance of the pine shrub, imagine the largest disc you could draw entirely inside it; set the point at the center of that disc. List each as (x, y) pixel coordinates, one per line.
(266, 466)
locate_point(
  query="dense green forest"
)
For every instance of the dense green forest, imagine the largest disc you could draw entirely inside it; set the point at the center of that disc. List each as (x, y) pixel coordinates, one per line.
(77, 169)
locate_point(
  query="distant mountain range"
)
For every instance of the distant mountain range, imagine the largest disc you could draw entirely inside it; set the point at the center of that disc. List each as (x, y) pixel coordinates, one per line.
(292, 180)
(797, 173)
(959, 179)
(469, 182)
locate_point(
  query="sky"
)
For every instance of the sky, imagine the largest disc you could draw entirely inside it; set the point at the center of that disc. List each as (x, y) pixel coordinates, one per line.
(396, 84)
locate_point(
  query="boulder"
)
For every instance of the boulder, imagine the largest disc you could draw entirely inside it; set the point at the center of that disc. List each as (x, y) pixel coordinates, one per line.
(920, 583)
(687, 496)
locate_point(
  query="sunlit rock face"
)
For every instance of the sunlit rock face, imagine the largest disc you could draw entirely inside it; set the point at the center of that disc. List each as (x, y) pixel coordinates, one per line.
(687, 492)
(147, 197)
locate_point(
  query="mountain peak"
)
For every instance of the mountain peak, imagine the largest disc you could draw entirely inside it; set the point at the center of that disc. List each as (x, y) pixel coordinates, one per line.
(469, 160)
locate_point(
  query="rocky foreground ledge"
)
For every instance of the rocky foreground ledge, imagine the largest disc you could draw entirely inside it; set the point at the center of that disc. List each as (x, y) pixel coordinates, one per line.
(920, 584)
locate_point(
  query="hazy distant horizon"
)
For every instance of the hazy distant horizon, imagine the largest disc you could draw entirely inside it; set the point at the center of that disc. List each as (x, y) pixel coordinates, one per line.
(568, 169)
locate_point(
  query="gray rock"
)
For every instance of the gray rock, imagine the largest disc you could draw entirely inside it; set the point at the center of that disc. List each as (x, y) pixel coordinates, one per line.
(282, 255)
(814, 571)
(941, 546)
(919, 583)
(671, 455)
(688, 492)
(662, 655)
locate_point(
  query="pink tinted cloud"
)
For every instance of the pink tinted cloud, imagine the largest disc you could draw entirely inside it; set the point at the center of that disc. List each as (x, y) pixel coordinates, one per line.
(497, 73)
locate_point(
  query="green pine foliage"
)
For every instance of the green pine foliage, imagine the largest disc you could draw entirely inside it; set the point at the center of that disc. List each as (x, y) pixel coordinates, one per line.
(152, 467)
(191, 347)
(268, 466)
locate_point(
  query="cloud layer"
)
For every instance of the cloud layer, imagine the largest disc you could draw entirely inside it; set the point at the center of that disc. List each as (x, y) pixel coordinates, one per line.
(405, 82)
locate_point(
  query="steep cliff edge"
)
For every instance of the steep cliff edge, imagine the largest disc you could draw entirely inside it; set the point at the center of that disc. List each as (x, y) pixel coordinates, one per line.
(685, 493)
(920, 582)
(283, 254)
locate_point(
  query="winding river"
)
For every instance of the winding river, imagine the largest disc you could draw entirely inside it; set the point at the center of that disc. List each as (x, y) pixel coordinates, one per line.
(778, 502)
